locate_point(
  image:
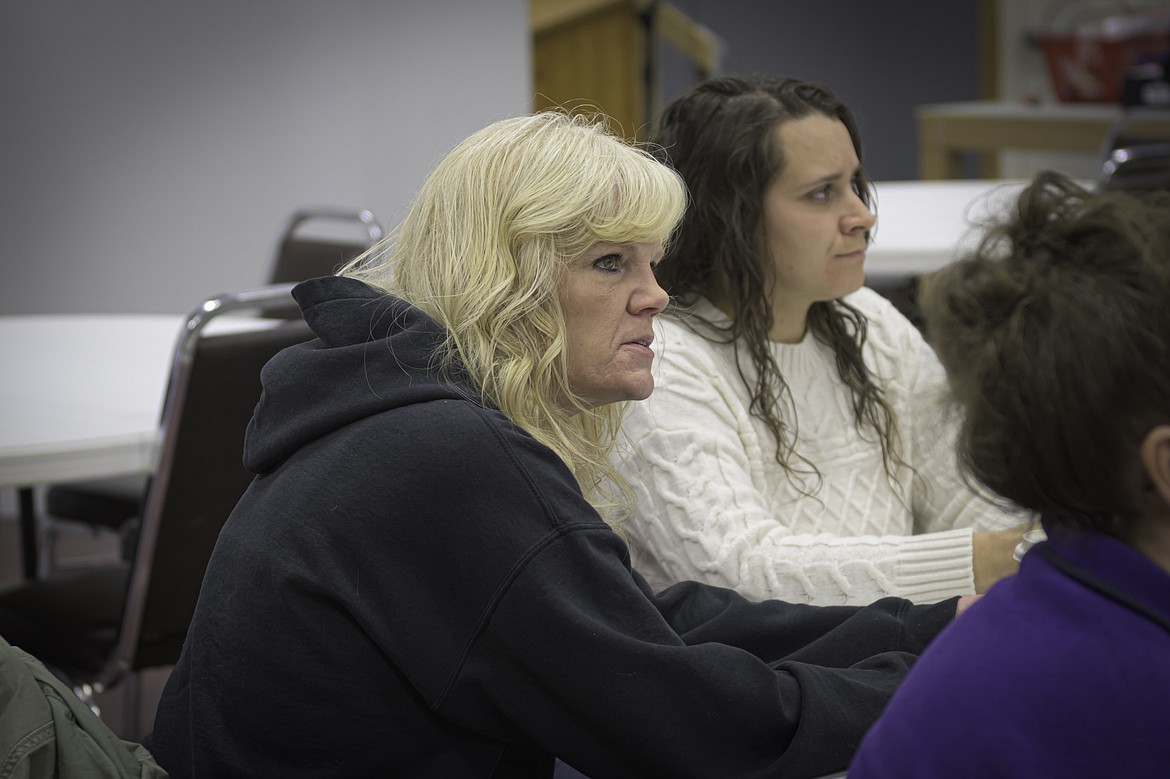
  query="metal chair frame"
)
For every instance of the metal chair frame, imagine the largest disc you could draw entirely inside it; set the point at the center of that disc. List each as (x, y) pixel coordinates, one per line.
(123, 657)
(112, 505)
(156, 611)
(327, 254)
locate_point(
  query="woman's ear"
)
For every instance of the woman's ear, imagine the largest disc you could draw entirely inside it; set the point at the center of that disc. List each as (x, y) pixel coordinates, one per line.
(1155, 457)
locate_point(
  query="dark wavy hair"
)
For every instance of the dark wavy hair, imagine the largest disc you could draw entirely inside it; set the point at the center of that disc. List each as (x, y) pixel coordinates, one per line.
(720, 136)
(1055, 333)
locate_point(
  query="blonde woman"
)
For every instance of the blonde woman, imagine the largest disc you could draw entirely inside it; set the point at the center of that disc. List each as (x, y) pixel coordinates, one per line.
(425, 579)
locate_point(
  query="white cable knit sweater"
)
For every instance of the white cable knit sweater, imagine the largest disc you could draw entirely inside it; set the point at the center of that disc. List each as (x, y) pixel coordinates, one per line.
(713, 504)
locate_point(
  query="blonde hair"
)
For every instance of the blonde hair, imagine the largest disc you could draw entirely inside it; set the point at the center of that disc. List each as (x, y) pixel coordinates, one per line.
(483, 250)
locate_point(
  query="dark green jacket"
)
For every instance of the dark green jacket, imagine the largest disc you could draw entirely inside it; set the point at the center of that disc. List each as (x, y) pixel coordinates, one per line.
(47, 731)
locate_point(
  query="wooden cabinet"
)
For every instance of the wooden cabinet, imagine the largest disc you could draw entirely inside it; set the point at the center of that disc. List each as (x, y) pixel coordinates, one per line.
(603, 55)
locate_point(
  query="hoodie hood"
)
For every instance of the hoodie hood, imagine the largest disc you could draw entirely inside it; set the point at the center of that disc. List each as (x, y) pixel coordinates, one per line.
(373, 352)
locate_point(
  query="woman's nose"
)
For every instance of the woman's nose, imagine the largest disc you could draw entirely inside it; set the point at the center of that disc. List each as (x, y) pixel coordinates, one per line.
(859, 216)
(649, 296)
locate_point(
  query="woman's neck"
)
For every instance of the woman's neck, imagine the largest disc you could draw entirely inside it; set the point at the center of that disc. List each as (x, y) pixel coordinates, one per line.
(789, 322)
(788, 327)
(1151, 537)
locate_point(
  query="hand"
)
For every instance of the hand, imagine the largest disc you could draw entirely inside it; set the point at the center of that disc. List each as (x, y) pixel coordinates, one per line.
(965, 603)
(991, 555)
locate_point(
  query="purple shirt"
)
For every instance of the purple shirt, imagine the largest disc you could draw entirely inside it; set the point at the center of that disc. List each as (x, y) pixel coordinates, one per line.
(1062, 670)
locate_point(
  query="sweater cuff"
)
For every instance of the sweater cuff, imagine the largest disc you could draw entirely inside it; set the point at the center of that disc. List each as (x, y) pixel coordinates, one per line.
(923, 623)
(935, 566)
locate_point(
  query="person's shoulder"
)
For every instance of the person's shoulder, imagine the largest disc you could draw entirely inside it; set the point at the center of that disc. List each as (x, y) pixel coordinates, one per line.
(977, 654)
(700, 321)
(876, 308)
(890, 335)
(692, 335)
(450, 425)
(481, 447)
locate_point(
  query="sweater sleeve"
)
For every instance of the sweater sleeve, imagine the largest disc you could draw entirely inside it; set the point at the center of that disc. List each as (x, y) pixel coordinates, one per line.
(942, 499)
(527, 626)
(733, 688)
(696, 467)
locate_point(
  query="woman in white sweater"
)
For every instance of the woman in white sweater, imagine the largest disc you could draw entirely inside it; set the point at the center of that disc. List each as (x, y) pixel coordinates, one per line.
(797, 445)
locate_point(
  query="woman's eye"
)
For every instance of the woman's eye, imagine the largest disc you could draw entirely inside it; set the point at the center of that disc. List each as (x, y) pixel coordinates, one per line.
(821, 194)
(610, 262)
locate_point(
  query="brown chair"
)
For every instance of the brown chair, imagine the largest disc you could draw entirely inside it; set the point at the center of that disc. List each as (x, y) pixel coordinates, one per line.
(318, 241)
(96, 626)
(314, 242)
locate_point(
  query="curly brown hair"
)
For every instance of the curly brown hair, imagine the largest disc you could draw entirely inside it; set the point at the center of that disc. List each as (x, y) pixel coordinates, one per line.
(720, 136)
(1055, 333)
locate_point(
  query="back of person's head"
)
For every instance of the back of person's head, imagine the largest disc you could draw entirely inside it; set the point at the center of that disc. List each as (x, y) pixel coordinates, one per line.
(721, 137)
(487, 240)
(1055, 334)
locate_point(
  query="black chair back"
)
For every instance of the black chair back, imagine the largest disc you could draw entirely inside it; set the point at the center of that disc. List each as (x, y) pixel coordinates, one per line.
(308, 246)
(214, 388)
(301, 256)
(1135, 155)
(1140, 167)
(97, 625)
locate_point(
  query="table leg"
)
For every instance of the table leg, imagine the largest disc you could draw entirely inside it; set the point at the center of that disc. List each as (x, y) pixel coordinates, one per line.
(28, 532)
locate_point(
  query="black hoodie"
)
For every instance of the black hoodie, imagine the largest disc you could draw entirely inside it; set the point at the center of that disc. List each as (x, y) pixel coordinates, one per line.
(414, 587)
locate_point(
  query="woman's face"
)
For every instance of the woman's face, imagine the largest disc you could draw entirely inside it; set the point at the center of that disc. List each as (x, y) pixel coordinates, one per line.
(609, 296)
(815, 223)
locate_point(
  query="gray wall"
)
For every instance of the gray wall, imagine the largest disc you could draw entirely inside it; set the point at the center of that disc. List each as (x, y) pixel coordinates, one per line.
(880, 58)
(150, 150)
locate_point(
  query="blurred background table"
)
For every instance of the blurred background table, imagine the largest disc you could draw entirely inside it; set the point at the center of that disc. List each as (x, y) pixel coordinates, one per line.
(923, 225)
(946, 131)
(80, 395)
(80, 398)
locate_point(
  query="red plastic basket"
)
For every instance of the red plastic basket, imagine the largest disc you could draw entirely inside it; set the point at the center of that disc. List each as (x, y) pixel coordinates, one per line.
(1089, 68)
